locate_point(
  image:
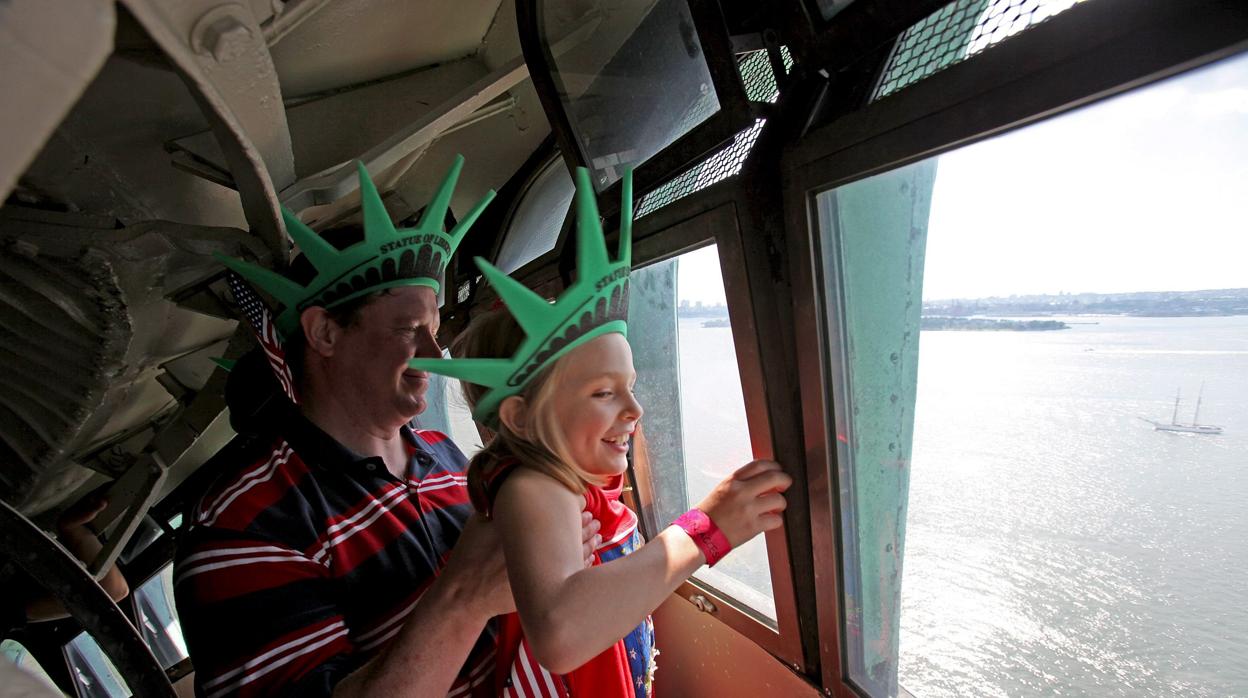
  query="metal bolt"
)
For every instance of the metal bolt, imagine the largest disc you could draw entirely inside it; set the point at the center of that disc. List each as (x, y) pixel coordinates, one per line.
(702, 603)
(222, 32)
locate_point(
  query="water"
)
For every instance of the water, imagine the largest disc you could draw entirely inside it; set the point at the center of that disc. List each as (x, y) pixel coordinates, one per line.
(1057, 545)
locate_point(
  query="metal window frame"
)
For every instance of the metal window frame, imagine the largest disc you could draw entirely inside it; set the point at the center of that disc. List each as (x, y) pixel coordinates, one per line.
(1087, 53)
(735, 113)
(858, 30)
(713, 217)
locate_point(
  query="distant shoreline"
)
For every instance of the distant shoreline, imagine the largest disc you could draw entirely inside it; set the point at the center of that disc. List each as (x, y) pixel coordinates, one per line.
(1211, 303)
(961, 324)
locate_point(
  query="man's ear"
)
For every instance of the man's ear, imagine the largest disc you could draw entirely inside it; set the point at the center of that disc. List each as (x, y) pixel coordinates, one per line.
(320, 330)
(514, 413)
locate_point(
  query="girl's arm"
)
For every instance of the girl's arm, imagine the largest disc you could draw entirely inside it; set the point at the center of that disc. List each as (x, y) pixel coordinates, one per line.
(570, 614)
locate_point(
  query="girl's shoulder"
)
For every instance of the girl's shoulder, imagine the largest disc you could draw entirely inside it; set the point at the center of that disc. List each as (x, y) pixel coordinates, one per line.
(524, 484)
(491, 481)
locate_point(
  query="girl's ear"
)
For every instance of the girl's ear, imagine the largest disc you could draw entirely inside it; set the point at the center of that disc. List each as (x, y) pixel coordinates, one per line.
(514, 414)
(319, 329)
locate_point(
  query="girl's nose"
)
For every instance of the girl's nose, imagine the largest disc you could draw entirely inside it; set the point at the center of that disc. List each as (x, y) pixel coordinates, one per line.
(633, 409)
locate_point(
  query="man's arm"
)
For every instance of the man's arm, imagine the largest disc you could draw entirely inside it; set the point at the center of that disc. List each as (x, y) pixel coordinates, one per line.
(426, 656)
(428, 653)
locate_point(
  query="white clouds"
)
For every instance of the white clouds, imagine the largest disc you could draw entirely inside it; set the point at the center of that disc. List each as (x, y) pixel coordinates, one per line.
(1148, 191)
(1232, 101)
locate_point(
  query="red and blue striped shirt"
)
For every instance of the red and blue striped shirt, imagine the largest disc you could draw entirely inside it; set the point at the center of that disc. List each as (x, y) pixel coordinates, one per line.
(299, 567)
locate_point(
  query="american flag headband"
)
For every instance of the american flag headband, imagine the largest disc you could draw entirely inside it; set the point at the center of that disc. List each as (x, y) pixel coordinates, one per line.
(260, 318)
(387, 257)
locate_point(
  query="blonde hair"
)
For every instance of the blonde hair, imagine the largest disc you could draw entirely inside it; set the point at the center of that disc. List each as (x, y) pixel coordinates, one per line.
(544, 447)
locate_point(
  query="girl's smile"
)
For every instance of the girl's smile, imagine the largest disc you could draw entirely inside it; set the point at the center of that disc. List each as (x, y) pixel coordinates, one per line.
(596, 409)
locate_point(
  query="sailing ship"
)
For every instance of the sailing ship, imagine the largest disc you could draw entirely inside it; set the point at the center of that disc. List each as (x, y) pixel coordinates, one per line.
(1195, 427)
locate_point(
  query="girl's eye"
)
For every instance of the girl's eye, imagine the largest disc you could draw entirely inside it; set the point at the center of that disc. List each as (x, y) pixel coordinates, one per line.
(602, 393)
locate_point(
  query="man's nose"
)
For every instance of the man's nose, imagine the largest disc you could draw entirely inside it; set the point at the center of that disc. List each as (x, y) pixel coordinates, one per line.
(427, 346)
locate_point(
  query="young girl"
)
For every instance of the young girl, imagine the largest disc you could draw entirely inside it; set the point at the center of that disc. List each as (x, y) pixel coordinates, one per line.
(563, 412)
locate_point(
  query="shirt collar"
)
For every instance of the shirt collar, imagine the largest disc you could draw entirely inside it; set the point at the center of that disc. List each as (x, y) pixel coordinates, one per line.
(317, 448)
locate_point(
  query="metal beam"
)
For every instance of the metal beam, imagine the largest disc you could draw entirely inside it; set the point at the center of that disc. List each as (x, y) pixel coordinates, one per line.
(132, 495)
(62, 575)
(289, 15)
(376, 110)
(221, 53)
(50, 50)
(335, 183)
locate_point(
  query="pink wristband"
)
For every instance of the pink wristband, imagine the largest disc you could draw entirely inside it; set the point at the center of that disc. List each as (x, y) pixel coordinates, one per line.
(705, 534)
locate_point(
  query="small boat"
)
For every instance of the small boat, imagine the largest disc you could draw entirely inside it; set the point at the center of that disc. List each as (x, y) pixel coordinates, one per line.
(1195, 427)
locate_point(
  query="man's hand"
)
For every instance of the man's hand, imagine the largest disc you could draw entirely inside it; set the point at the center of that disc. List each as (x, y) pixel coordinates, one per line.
(590, 540)
(479, 570)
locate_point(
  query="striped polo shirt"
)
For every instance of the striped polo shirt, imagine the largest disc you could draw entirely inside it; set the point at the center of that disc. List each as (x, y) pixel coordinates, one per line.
(300, 566)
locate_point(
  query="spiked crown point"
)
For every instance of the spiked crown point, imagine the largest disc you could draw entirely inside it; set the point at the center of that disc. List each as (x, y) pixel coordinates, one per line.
(594, 305)
(387, 257)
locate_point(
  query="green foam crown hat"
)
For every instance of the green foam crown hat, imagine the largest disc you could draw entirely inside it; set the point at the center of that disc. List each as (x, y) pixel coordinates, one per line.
(594, 305)
(387, 257)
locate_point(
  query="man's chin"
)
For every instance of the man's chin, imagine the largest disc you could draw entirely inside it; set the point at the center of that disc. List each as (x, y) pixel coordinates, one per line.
(414, 405)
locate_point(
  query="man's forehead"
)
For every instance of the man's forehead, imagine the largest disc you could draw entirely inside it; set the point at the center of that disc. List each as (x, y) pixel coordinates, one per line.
(411, 303)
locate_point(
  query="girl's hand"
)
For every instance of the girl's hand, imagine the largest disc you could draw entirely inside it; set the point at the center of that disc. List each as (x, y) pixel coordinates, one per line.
(749, 502)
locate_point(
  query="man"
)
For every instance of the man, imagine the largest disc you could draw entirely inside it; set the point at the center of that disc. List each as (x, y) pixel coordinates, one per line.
(325, 567)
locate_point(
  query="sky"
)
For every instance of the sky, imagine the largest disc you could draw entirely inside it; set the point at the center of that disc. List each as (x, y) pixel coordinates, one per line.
(1147, 191)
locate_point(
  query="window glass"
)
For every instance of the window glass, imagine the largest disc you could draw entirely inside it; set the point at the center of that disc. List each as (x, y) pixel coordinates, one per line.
(158, 618)
(447, 411)
(1027, 507)
(92, 672)
(689, 385)
(631, 77)
(534, 228)
(17, 653)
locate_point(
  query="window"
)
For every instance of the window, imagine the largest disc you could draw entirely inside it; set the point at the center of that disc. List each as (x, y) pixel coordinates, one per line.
(93, 673)
(535, 225)
(631, 76)
(695, 423)
(158, 618)
(447, 411)
(1026, 507)
(15, 652)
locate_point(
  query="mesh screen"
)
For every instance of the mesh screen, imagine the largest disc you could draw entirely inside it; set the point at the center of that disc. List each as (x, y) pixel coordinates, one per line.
(759, 79)
(720, 166)
(957, 31)
(760, 86)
